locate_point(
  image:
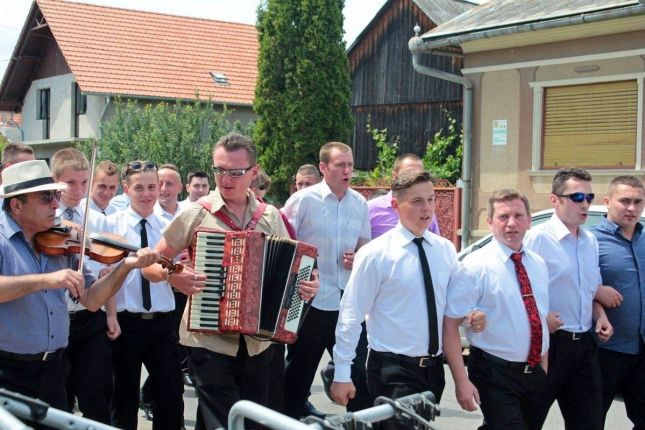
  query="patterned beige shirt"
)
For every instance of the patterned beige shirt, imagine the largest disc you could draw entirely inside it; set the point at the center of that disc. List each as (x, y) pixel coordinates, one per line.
(179, 234)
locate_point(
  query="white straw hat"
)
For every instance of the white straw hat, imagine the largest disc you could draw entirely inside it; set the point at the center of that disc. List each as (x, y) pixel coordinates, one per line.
(28, 177)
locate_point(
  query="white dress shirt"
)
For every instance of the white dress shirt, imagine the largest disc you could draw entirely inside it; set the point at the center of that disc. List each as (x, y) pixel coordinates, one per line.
(158, 210)
(129, 298)
(109, 209)
(334, 227)
(486, 280)
(387, 289)
(574, 272)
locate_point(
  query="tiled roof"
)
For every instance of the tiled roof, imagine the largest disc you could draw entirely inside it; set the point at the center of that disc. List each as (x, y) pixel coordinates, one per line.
(509, 13)
(144, 54)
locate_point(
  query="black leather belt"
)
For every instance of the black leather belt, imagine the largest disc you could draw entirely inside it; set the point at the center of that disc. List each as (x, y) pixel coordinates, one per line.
(427, 361)
(519, 365)
(571, 334)
(41, 356)
(144, 315)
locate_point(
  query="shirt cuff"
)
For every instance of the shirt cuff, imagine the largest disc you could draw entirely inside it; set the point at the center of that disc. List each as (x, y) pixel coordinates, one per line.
(342, 373)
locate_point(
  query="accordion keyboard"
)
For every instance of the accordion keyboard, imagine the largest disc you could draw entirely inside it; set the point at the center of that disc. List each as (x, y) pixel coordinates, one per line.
(297, 304)
(209, 251)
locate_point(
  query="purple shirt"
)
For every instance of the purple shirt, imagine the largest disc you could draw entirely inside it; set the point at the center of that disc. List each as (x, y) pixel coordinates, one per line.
(383, 217)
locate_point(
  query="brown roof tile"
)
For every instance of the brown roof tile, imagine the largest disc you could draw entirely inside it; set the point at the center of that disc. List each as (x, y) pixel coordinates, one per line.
(134, 53)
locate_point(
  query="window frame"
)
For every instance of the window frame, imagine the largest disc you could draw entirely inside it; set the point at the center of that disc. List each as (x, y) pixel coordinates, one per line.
(538, 115)
(44, 109)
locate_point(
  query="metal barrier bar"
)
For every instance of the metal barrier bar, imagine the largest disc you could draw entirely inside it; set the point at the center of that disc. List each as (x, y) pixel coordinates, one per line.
(9, 422)
(260, 414)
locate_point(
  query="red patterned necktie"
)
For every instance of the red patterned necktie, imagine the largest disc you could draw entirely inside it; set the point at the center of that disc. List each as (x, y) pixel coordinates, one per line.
(535, 350)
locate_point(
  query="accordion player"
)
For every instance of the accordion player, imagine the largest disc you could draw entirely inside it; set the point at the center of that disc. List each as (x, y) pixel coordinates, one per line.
(252, 284)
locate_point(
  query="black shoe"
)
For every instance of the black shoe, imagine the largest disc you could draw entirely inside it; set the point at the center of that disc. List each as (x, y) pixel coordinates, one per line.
(327, 376)
(310, 410)
(187, 379)
(147, 410)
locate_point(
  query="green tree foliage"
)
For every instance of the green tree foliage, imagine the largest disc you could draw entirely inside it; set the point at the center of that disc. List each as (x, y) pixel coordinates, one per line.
(443, 155)
(181, 133)
(3, 141)
(303, 86)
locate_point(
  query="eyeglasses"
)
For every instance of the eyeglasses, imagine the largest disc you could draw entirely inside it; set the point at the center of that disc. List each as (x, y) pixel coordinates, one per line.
(46, 198)
(233, 173)
(140, 166)
(579, 197)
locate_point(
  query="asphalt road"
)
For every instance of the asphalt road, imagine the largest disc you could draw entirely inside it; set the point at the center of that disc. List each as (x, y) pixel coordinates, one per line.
(452, 416)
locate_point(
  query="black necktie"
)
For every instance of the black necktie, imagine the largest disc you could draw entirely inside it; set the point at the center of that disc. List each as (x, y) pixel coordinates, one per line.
(433, 347)
(145, 284)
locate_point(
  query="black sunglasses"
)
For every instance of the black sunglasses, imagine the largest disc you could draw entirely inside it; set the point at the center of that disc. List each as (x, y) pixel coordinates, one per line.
(140, 166)
(579, 197)
(46, 198)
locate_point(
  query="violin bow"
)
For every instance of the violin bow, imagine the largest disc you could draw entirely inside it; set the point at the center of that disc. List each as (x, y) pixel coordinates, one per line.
(86, 216)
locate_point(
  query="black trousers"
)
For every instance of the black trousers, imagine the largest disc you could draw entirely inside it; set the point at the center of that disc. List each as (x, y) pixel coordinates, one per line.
(221, 380)
(151, 342)
(509, 397)
(44, 380)
(91, 372)
(316, 335)
(624, 372)
(393, 378)
(574, 380)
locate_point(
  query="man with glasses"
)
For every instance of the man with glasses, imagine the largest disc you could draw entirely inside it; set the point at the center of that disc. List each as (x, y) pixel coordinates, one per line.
(227, 367)
(34, 322)
(571, 255)
(145, 313)
(622, 266)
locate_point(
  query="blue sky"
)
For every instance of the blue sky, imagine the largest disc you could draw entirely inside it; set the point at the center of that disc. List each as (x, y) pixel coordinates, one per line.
(358, 13)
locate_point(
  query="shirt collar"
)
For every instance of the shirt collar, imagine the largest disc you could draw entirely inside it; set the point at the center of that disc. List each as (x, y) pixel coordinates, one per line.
(388, 199)
(615, 228)
(406, 236)
(325, 191)
(501, 250)
(561, 231)
(217, 201)
(10, 226)
(134, 218)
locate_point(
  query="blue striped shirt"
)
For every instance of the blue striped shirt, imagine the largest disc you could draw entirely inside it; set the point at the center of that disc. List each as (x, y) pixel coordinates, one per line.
(622, 266)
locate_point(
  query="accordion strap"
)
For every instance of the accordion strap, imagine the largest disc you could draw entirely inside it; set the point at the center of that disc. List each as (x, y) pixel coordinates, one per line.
(229, 222)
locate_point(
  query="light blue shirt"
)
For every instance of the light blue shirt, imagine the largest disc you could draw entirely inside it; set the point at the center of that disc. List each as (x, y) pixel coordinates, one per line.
(37, 322)
(622, 266)
(334, 227)
(574, 274)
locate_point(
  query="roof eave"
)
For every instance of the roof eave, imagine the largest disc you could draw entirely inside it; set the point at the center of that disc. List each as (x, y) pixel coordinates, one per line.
(167, 99)
(430, 42)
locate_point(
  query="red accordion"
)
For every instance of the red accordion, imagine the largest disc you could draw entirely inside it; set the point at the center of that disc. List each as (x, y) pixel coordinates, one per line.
(252, 284)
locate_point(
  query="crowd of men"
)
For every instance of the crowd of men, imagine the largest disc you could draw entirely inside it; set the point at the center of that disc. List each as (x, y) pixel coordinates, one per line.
(556, 312)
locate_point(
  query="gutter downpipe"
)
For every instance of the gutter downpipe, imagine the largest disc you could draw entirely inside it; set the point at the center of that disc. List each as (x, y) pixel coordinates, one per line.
(414, 45)
(106, 105)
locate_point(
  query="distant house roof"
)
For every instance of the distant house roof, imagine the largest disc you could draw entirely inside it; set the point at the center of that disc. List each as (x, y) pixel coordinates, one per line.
(503, 17)
(438, 11)
(116, 51)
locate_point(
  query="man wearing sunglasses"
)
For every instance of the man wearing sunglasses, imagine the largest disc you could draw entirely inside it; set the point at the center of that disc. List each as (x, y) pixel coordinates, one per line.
(34, 321)
(571, 255)
(228, 367)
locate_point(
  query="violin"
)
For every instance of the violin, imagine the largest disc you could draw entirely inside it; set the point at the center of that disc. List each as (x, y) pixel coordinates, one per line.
(106, 248)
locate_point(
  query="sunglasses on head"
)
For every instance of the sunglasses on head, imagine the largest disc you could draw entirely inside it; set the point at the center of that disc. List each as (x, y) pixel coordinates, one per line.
(579, 197)
(46, 197)
(140, 166)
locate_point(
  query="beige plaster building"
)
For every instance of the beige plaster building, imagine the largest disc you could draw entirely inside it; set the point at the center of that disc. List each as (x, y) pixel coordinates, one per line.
(552, 84)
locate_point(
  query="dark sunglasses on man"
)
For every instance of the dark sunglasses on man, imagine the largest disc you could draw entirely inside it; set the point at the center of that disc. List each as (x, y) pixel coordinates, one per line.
(579, 197)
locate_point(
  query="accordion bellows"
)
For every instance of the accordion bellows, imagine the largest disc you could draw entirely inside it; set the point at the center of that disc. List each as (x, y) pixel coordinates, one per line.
(252, 284)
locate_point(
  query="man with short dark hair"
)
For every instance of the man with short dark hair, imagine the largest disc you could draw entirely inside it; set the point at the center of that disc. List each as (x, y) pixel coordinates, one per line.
(34, 321)
(571, 255)
(306, 176)
(621, 247)
(197, 186)
(508, 360)
(389, 288)
(104, 187)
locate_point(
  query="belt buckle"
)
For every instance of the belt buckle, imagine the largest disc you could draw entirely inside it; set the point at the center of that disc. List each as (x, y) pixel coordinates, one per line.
(575, 336)
(45, 356)
(147, 316)
(528, 368)
(422, 361)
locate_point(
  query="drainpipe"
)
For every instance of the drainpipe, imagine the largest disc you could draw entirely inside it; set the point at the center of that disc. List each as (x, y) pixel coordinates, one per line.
(108, 100)
(414, 45)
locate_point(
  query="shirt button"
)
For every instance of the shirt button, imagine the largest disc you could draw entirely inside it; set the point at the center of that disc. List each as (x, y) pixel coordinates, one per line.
(52, 336)
(51, 313)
